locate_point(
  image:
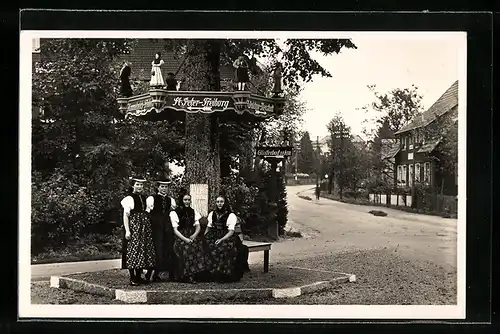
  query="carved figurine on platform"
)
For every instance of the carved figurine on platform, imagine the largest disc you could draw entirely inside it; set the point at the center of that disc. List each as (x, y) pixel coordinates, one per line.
(156, 76)
(277, 75)
(241, 66)
(171, 82)
(125, 88)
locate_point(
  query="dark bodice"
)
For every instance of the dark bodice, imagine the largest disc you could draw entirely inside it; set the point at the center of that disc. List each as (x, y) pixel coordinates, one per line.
(139, 203)
(219, 222)
(186, 217)
(162, 205)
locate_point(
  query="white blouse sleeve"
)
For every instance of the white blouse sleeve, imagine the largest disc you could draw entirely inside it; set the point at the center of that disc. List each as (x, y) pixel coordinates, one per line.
(209, 219)
(197, 218)
(150, 203)
(174, 219)
(231, 221)
(127, 204)
(173, 205)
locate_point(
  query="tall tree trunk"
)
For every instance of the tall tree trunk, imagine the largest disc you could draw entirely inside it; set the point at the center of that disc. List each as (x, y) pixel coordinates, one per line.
(202, 135)
(246, 157)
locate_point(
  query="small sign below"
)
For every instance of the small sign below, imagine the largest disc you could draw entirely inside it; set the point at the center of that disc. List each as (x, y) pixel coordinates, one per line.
(274, 151)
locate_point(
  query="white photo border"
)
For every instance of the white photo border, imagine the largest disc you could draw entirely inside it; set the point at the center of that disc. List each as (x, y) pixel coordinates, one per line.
(402, 312)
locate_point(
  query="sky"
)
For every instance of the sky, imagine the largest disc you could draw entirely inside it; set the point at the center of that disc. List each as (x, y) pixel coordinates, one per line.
(432, 63)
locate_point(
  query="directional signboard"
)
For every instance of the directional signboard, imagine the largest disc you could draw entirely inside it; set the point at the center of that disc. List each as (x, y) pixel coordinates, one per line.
(237, 103)
(274, 151)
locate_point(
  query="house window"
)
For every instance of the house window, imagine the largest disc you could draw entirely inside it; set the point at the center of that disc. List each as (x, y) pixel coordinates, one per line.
(410, 179)
(403, 181)
(427, 172)
(36, 45)
(410, 141)
(417, 172)
(401, 142)
(400, 173)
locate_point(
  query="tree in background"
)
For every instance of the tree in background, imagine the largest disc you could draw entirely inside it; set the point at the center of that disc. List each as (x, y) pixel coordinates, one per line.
(306, 160)
(389, 112)
(82, 151)
(348, 163)
(86, 146)
(204, 59)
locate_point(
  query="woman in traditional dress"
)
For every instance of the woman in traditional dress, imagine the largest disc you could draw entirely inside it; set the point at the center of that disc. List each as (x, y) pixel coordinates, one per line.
(188, 246)
(228, 257)
(160, 206)
(138, 248)
(241, 66)
(156, 76)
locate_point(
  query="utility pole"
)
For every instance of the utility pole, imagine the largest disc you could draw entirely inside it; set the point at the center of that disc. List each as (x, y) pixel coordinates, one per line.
(341, 183)
(296, 160)
(317, 161)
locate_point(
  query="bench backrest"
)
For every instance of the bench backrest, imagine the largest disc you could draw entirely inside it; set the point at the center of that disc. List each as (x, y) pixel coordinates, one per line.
(237, 229)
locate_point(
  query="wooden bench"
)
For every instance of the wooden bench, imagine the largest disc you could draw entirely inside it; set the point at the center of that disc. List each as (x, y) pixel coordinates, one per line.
(254, 246)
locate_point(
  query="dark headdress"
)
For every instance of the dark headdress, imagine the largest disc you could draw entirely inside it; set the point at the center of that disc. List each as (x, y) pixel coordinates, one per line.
(157, 61)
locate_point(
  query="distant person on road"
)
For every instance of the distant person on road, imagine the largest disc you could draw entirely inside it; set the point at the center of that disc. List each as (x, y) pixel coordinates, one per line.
(138, 252)
(317, 191)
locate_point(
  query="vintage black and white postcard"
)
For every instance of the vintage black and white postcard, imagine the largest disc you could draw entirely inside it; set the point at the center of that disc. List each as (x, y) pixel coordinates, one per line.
(242, 174)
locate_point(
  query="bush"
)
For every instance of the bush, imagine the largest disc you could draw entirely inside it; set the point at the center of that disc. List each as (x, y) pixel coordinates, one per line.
(250, 202)
(60, 210)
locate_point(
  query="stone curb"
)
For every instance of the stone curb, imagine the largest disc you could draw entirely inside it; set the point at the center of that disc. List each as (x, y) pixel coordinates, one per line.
(82, 286)
(196, 295)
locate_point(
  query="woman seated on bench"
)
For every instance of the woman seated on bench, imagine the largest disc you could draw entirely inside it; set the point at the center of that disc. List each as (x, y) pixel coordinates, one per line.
(227, 257)
(188, 246)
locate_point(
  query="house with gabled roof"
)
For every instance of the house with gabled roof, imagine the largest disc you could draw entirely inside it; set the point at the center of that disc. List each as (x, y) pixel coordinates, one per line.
(416, 157)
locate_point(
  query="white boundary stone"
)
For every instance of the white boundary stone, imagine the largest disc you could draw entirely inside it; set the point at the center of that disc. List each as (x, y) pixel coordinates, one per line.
(352, 278)
(131, 296)
(286, 293)
(54, 282)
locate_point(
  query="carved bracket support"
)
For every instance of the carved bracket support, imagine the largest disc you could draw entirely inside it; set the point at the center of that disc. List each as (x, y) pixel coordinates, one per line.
(241, 101)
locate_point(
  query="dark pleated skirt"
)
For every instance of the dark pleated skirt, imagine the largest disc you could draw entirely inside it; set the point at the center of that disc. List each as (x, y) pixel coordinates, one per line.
(242, 74)
(190, 258)
(229, 259)
(139, 251)
(163, 240)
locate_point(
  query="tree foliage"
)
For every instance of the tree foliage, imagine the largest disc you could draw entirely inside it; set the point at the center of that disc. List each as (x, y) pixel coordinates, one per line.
(81, 141)
(348, 162)
(392, 110)
(306, 159)
(389, 112)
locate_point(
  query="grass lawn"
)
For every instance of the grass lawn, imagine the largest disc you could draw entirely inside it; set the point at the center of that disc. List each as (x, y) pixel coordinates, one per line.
(383, 278)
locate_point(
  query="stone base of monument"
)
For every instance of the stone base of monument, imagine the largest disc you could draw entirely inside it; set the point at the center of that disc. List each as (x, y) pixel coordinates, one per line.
(279, 282)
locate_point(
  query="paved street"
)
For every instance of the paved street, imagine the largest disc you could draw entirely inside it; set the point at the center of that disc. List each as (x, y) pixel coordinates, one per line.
(344, 226)
(332, 226)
